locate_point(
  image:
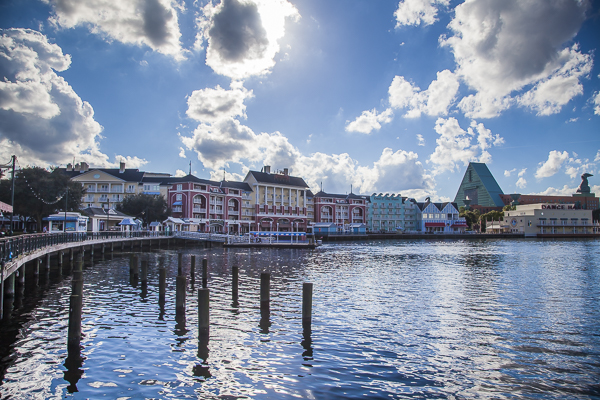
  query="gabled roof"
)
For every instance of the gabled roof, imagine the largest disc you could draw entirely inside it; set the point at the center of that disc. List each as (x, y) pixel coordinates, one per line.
(101, 212)
(128, 175)
(190, 178)
(243, 186)
(278, 179)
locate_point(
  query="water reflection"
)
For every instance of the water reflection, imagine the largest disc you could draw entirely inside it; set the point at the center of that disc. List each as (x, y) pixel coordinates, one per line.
(425, 319)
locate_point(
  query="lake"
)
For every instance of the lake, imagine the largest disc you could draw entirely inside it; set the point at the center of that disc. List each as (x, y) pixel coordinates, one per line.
(391, 319)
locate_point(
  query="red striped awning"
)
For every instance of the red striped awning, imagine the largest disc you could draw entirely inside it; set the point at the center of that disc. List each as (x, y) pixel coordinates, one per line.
(460, 225)
(434, 224)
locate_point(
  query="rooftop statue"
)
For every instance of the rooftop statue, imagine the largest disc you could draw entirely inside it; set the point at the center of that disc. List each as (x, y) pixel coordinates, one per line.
(584, 187)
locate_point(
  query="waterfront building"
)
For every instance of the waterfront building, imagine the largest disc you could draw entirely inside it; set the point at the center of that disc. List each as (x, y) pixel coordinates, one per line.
(104, 219)
(107, 187)
(479, 190)
(546, 220)
(386, 213)
(74, 221)
(439, 218)
(340, 209)
(280, 201)
(210, 206)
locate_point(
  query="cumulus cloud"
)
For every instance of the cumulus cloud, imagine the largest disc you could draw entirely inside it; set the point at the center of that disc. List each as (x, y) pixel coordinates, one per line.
(597, 103)
(455, 145)
(369, 121)
(552, 165)
(180, 173)
(421, 140)
(521, 183)
(182, 152)
(243, 35)
(41, 116)
(508, 173)
(415, 12)
(498, 54)
(564, 191)
(211, 105)
(139, 22)
(434, 101)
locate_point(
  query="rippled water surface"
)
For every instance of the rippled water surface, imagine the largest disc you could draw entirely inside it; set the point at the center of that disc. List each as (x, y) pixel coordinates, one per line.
(394, 319)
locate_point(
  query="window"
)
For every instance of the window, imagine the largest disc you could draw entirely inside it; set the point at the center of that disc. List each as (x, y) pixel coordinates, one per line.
(178, 196)
(179, 187)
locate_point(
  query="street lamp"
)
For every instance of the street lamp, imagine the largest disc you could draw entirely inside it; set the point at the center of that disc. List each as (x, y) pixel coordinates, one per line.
(107, 214)
(66, 205)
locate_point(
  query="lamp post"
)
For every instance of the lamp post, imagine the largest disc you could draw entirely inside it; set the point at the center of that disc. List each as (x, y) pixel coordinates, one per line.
(107, 214)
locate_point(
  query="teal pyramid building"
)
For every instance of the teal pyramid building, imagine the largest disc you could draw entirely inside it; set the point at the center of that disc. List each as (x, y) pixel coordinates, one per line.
(479, 186)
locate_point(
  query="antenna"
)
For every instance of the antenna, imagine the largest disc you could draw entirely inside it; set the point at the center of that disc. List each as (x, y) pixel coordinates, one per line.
(350, 188)
(223, 174)
(190, 167)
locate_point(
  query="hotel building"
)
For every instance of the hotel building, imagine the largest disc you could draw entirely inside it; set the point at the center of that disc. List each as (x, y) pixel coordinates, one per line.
(344, 210)
(546, 220)
(386, 213)
(439, 218)
(280, 202)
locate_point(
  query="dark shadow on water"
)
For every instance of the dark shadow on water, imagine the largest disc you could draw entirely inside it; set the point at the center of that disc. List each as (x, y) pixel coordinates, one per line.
(181, 330)
(73, 364)
(202, 369)
(306, 343)
(265, 321)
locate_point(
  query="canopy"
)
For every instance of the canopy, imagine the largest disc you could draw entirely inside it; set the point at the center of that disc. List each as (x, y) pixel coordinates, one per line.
(128, 222)
(266, 233)
(434, 224)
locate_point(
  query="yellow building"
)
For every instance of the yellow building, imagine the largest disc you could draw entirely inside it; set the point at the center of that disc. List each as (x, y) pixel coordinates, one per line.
(547, 220)
(106, 187)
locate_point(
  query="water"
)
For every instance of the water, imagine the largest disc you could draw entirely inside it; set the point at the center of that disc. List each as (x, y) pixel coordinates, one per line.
(393, 319)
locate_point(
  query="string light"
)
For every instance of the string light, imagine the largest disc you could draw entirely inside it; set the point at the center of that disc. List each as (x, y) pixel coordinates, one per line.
(38, 196)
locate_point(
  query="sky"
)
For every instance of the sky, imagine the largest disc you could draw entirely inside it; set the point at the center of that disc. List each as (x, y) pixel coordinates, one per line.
(352, 95)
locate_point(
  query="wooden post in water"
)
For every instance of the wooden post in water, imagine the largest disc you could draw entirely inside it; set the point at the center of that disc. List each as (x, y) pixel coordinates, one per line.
(74, 332)
(193, 269)
(112, 246)
(48, 261)
(144, 272)
(36, 269)
(265, 290)
(21, 275)
(235, 272)
(204, 273)
(180, 295)
(79, 264)
(179, 264)
(203, 313)
(135, 268)
(162, 284)
(60, 258)
(307, 289)
(102, 248)
(9, 285)
(71, 255)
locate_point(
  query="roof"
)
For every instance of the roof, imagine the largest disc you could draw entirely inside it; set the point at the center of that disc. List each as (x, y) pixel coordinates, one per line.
(488, 181)
(190, 178)
(128, 175)
(243, 186)
(278, 179)
(223, 184)
(339, 196)
(101, 212)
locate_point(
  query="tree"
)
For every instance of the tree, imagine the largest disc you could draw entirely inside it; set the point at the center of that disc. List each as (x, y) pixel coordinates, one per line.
(596, 215)
(471, 216)
(147, 207)
(39, 193)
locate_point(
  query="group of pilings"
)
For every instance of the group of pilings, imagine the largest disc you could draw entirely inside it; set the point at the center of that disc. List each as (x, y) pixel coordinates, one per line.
(40, 267)
(204, 292)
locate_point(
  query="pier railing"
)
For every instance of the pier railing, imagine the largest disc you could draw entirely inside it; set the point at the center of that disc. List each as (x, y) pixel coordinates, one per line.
(15, 246)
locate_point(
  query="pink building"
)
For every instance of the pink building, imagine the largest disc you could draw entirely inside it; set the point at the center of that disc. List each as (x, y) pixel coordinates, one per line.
(340, 209)
(208, 206)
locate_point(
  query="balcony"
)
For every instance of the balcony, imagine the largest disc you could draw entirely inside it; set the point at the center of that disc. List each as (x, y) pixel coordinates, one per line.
(199, 210)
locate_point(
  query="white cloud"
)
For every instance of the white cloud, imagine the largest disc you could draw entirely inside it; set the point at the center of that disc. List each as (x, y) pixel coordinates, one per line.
(369, 121)
(564, 191)
(243, 35)
(180, 173)
(434, 101)
(130, 162)
(551, 166)
(522, 172)
(597, 158)
(521, 183)
(421, 140)
(498, 54)
(211, 105)
(41, 117)
(508, 173)
(415, 12)
(139, 22)
(454, 145)
(597, 103)
(182, 152)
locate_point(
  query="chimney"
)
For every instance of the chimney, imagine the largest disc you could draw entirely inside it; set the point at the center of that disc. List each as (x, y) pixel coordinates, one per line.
(285, 171)
(267, 169)
(84, 167)
(122, 167)
(77, 167)
(69, 167)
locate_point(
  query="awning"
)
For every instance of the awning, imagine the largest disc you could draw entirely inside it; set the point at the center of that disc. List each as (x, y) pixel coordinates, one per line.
(57, 218)
(178, 203)
(434, 224)
(460, 225)
(6, 207)
(128, 222)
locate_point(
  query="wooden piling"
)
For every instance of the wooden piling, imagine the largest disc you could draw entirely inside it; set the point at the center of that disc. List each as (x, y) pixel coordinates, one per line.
(74, 331)
(180, 294)
(60, 258)
(21, 275)
(71, 254)
(193, 269)
(265, 290)
(36, 268)
(9, 285)
(134, 268)
(180, 264)
(162, 284)
(235, 271)
(144, 271)
(77, 283)
(79, 264)
(204, 273)
(203, 313)
(48, 260)
(307, 290)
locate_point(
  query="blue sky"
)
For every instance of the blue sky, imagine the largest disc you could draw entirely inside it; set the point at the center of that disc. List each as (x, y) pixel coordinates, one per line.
(380, 96)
